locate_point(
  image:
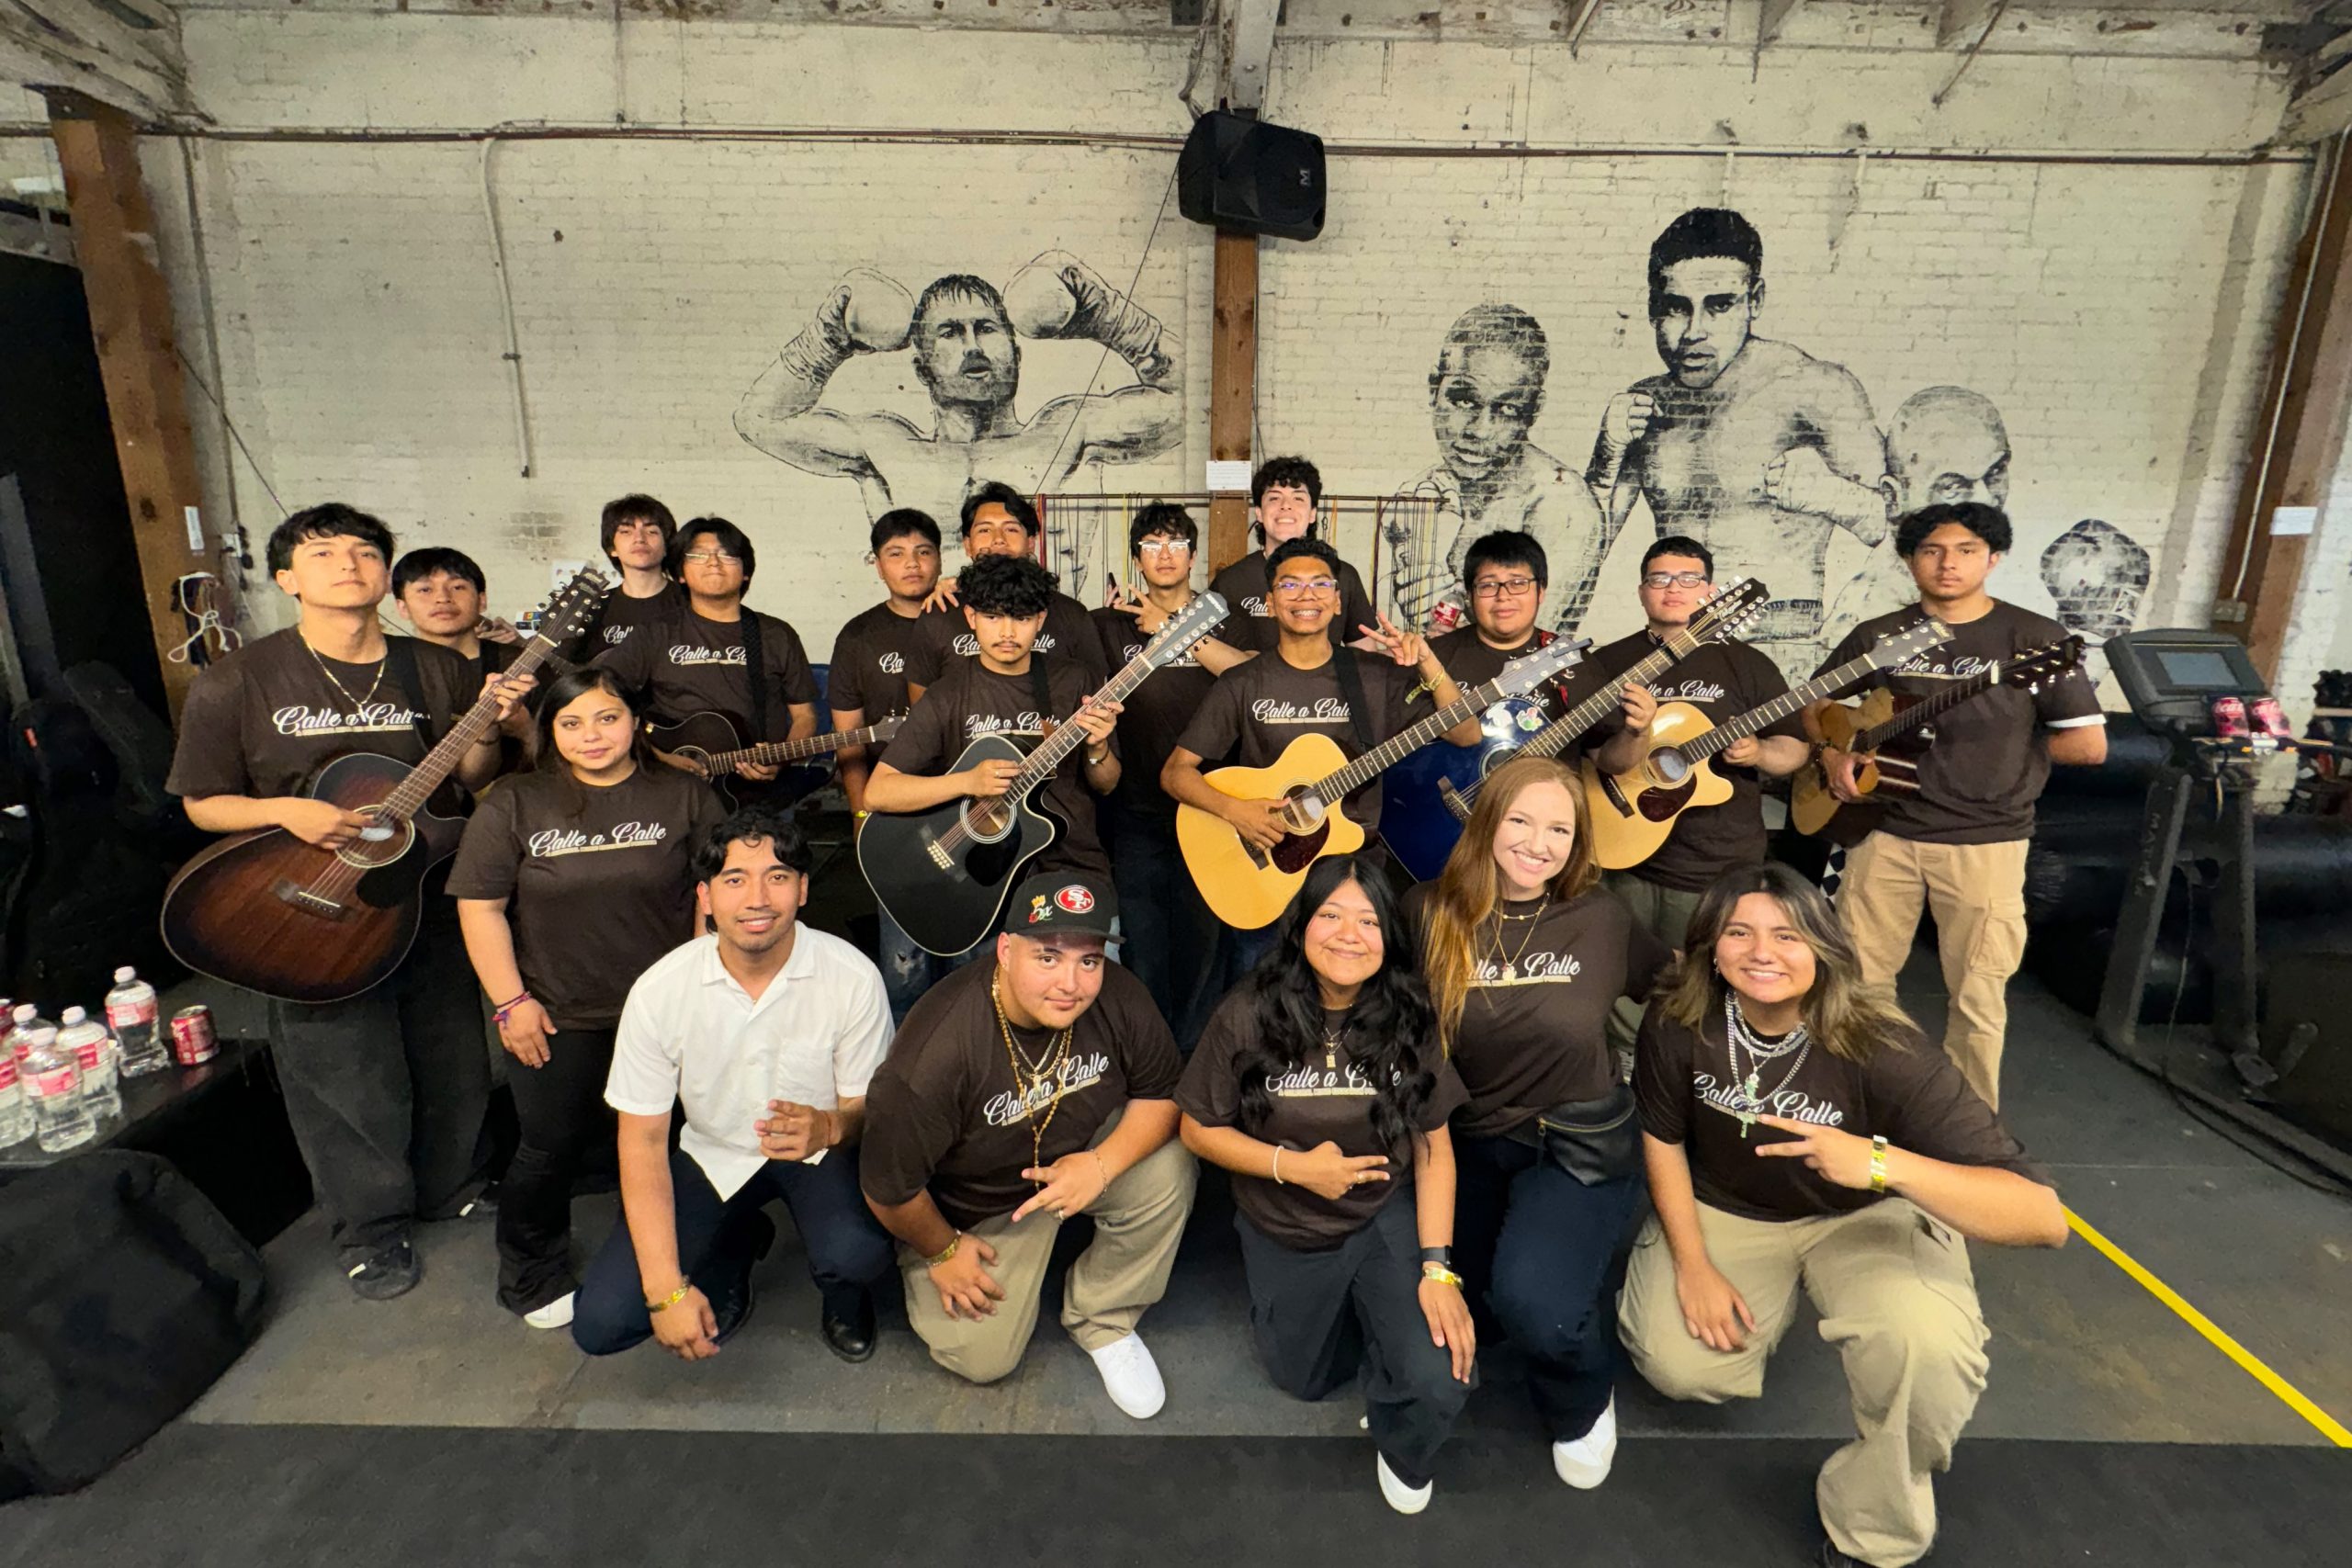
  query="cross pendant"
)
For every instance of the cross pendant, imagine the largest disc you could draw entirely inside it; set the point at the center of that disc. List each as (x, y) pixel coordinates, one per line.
(1747, 1120)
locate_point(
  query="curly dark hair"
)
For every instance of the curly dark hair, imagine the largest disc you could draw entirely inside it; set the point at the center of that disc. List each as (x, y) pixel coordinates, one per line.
(761, 821)
(1989, 524)
(1006, 585)
(1291, 473)
(1390, 1032)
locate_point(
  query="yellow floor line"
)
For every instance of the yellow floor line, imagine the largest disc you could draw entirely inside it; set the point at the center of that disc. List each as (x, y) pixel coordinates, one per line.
(2255, 1366)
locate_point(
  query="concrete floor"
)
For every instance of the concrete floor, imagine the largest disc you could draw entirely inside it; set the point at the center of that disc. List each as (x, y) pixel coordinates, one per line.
(2080, 1351)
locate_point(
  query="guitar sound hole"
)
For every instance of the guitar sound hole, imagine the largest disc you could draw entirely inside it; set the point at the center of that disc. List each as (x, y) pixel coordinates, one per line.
(368, 856)
(988, 823)
(1670, 766)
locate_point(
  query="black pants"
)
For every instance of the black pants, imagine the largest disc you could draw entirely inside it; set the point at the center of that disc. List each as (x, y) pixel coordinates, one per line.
(1322, 1317)
(1167, 935)
(386, 1091)
(720, 1238)
(1548, 1254)
(565, 1117)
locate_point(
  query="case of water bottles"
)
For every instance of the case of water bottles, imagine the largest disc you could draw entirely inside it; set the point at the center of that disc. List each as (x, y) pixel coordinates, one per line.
(60, 1079)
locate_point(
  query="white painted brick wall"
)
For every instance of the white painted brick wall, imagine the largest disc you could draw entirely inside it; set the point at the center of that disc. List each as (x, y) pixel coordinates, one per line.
(2117, 313)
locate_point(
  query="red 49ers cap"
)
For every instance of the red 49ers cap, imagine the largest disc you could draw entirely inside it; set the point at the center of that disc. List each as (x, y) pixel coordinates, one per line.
(1062, 901)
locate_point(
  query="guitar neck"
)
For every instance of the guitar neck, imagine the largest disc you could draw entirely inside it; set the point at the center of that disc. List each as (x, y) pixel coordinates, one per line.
(408, 797)
(1828, 683)
(1067, 736)
(1925, 708)
(1553, 737)
(769, 754)
(1403, 744)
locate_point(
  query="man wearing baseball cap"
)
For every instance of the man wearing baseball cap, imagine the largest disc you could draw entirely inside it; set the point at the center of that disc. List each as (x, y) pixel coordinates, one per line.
(1021, 1092)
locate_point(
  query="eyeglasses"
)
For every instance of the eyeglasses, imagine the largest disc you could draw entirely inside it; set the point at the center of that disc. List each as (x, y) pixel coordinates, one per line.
(1496, 587)
(1674, 580)
(713, 557)
(1164, 548)
(1292, 587)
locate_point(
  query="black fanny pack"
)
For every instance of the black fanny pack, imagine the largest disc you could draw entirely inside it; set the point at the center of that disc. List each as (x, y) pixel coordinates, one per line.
(1593, 1140)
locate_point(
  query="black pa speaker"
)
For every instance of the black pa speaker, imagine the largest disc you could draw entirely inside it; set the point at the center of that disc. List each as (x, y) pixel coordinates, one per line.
(1245, 177)
(2307, 1039)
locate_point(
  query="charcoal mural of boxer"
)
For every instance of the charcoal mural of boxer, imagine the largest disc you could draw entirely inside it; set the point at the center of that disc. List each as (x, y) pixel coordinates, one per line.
(965, 340)
(1751, 446)
(1485, 394)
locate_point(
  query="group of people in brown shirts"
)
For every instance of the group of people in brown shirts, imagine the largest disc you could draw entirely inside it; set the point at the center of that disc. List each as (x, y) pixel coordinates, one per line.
(1422, 1095)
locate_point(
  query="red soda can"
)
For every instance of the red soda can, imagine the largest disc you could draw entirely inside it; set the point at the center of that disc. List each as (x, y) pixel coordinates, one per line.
(193, 1041)
(2271, 719)
(2229, 718)
(1445, 616)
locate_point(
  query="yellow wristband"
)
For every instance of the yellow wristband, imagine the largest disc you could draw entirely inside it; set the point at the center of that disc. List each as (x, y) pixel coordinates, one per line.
(1878, 1164)
(672, 1299)
(946, 1252)
(1441, 1273)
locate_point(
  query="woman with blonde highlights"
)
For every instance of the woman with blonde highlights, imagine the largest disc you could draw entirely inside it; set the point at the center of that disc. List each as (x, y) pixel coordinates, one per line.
(1799, 1133)
(1525, 955)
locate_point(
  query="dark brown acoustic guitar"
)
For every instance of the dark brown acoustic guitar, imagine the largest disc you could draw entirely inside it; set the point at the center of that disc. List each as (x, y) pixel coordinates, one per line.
(267, 911)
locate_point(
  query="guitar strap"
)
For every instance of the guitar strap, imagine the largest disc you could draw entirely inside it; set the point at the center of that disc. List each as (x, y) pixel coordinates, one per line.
(1351, 674)
(400, 663)
(1041, 692)
(755, 670)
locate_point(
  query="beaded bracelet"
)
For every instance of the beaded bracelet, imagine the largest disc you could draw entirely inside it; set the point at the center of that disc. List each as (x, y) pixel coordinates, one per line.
(506, 1010)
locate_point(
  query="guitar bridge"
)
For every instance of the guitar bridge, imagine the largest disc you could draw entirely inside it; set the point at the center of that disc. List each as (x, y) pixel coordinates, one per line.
(308, 902)
(940, 857)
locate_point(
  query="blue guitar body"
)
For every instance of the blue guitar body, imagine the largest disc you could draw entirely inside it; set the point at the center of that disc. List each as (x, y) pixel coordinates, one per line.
(1414, 823)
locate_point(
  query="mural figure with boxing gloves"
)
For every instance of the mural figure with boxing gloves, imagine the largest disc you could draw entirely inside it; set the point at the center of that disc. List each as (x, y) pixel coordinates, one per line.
(966, 341)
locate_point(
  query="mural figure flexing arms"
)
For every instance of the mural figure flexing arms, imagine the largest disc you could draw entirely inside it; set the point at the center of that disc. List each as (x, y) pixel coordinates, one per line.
(965, 339)
(1485, 394)
(1750, 445)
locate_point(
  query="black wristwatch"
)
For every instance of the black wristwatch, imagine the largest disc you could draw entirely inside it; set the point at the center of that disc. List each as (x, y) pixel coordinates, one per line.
(1440, 1256)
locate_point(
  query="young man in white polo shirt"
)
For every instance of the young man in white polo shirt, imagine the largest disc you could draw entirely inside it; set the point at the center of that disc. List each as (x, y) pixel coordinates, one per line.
(765, 1032)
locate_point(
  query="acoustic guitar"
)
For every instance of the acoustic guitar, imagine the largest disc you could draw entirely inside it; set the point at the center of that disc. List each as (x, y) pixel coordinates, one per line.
(267, 911)
(1247, 886)
(710, 741)
(1890, 733)
(1714, 621)
(944, 874)
(1630, 814)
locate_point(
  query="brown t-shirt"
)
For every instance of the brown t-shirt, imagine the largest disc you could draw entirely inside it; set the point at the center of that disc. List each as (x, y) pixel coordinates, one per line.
(1156, 715)
(970, 700)
(261, 720)
(1533, 1040)
(598, 882)
(689, 664)
(1307, 1106)
(1914, 1096)
(1990, 760)
(943, 1114)
(869, 670)
(943, 635)
(1247, 585)
(1723, 680)
(620, 616)
(1258, 709)
(1472, 661)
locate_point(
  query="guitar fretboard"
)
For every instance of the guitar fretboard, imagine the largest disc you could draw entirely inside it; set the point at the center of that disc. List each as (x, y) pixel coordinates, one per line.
(1405, 742)
(1828, 683)
(408, 797)
(769, 753)
(1553, 737)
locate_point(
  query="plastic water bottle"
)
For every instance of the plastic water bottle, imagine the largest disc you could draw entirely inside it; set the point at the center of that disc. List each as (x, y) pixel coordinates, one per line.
(18, 1040)
(53, 1080)
(131, 1013)
(96, 1054)
(16, 1112)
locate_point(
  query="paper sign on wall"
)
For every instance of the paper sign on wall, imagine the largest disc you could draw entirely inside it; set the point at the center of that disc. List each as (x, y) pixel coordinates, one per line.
(2292, 520)
(1228, 475)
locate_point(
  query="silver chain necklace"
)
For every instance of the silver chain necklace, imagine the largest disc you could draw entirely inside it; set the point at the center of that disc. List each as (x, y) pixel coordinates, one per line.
(1748, 1101)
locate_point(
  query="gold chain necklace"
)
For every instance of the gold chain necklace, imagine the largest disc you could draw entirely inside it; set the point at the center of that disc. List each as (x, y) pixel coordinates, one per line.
(1057, 1053)
(1511, 964)
(358, 705)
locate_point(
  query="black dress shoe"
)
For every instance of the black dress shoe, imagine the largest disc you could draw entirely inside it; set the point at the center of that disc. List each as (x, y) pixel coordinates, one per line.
(732, 1306)
(392, 1271)
(850, 1338)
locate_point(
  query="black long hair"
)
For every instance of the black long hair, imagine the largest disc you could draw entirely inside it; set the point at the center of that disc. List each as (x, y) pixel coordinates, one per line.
(569, 688)
(1390, 1033)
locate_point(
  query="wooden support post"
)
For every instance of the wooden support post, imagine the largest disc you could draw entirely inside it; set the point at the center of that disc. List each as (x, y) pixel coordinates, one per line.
(2304, 410)
(130, 318)
(1233, 376)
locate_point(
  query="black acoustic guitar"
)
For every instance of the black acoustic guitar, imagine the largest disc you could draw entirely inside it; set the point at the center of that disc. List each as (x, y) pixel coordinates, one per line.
(268, 912)
(944, 874)
(710, 743)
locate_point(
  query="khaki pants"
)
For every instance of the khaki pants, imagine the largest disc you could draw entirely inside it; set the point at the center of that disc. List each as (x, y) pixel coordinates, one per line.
(1897, 1299)
(1665, 913)
(1137, 1223)
(1977, 894)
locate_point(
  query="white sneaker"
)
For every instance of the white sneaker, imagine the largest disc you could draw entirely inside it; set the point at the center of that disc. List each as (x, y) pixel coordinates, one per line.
(1584, 1463)
(556, 1314)
(1403, 1498)
(1131, 1377)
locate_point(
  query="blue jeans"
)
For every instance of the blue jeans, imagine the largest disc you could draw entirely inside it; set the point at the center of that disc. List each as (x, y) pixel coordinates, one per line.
(719, 1240)
(1169, 936)
(1548, 1254)
(908, 971)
